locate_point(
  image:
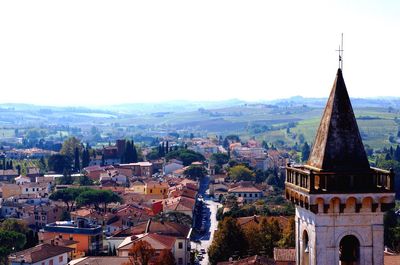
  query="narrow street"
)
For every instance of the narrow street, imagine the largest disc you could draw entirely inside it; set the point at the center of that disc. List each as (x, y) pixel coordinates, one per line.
(210, 223)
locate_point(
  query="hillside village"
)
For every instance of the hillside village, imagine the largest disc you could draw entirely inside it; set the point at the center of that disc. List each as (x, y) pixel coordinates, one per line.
(104, 202)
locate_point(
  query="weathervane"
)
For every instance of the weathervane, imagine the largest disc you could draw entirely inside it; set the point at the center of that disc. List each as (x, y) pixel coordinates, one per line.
(340, 51)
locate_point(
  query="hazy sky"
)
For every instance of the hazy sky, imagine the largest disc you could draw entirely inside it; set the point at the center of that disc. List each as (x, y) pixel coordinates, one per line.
(107, 52)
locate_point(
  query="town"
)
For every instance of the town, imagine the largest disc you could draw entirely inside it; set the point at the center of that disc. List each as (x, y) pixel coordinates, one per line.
(201, 200)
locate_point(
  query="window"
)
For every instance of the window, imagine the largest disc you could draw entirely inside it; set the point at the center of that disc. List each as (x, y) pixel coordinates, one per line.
(26, 189)
(245, 195)
(180, 261)
(250, 195)
(256, 195)
(60, 258)
(180, 245)
(240, 195)
(151, 191)
(51, 262)
(43, 217)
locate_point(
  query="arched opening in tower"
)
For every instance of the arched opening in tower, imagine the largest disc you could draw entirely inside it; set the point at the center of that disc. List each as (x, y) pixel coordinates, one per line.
(305, 249)
(349, 251)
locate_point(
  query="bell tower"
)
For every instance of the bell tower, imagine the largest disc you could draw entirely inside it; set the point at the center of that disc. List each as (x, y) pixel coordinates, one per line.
(340, 200)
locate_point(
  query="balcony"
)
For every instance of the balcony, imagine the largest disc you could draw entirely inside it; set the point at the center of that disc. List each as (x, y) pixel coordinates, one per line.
(312, 181)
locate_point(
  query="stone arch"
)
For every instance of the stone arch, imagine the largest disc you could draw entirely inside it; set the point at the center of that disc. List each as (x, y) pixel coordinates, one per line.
(366, 204)
(349, 233)
(385, 203)
(320, 203)
(351, 203)
(292, 196)
(301, 200)
(349, 250)
(296, 198)
(334, 205)
(384, 199)
(305, 248)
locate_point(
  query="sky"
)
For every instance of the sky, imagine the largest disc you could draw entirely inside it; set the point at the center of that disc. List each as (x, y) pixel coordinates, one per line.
(113, 52)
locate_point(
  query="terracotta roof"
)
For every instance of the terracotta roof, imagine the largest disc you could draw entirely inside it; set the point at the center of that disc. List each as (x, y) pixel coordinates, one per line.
(338, 145)
(391, 259)
(176, 192)
(284, 254)
(38, 253)
(179, 204)
(244, 221)
(256, 260)
(61, 242)
(244, 189)
(100, 261)
(167, 241)
(162, 228)
(158, 242)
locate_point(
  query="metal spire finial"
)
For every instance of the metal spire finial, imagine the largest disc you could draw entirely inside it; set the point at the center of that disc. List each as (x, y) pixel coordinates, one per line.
(340, 51)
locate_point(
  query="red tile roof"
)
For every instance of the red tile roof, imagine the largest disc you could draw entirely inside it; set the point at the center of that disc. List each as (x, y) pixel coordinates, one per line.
(38, 253)
(284, 254)
(253, 260)
(391, 259)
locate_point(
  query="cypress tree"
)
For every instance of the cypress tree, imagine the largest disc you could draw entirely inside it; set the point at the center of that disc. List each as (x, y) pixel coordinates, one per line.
(134, 153)
(166, 147)
(397, 154)
(163, 149)
(76, 163)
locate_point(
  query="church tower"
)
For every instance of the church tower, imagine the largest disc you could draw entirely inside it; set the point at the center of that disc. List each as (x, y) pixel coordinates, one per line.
(340, 200)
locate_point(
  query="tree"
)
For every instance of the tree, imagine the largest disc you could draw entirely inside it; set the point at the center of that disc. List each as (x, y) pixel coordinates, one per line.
(42, 164)
(229, 241)
(195, 172)
(288, 235)
(130, 154)
(140, 253)
(15, 225)
(185, 155)
(66, 179)
(396, 155)
(305, 152)
(59, 163)
(68, 196)
(220, 158)
(241, 172)
(69, 146)
(85, 158)
(271, 233)
(10, 241)
(84, 181)
(154, 154)
(254, 239)
(97, 197)
(167, 147)
(165, 258)
(77, 163)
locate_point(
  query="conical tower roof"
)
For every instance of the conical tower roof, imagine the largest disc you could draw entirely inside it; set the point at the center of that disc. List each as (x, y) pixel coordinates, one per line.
(338, 145)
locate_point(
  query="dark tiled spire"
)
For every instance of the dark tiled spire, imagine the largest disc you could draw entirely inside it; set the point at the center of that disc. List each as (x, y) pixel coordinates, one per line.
(338, 145)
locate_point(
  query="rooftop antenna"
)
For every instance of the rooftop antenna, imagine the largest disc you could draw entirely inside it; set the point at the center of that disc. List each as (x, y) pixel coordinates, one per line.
(340, 51)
